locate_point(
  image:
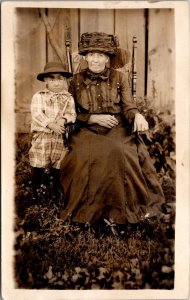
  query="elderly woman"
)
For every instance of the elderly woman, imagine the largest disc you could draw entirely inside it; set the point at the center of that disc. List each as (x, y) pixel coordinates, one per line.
(108, 173)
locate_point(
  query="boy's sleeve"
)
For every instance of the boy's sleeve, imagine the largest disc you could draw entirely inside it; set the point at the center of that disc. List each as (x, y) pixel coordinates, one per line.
(37, 111)
(70, 111)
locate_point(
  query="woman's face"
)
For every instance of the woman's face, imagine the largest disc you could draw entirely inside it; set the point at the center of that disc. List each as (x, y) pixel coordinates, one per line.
(96, 61)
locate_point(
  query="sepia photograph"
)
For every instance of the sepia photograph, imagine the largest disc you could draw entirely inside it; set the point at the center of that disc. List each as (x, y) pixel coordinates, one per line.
(95, 200)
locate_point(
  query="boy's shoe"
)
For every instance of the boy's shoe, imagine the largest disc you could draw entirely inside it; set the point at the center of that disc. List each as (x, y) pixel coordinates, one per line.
(57, 193)
(34, 198)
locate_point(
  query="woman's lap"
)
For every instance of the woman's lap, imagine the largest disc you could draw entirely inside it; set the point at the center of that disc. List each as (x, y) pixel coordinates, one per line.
(104, 176)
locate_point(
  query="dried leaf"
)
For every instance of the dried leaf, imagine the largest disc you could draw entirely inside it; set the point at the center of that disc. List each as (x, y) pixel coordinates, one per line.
(49, 273)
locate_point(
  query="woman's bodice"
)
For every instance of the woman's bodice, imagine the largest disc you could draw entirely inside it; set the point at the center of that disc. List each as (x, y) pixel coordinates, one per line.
(107, 93)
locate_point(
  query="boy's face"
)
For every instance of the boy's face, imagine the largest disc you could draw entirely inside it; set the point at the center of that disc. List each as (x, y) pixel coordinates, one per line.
(56, 83)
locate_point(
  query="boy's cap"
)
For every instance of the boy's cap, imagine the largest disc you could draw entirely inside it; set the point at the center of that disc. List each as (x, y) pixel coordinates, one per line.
(53, 67)
(98, 41)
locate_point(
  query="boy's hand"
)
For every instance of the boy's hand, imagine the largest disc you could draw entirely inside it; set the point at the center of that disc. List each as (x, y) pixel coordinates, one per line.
(140, 124)
(61, 122)
(57, 128)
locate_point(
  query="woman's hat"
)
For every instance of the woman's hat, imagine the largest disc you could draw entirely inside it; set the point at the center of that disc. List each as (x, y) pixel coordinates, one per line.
(98, 41)
(53, 67)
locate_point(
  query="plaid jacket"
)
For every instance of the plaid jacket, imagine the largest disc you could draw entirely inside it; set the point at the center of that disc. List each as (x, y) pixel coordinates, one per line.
(47, 107)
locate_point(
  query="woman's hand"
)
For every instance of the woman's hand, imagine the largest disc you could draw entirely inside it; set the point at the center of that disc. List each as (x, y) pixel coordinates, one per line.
(140, 124)
(57, 128)
(107, 121)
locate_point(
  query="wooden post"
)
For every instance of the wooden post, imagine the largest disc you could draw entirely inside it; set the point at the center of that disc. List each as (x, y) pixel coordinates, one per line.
(67, 44)
(134, 69)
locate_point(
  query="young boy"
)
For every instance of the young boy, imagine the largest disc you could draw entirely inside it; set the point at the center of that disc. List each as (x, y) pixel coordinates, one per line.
(51, 109)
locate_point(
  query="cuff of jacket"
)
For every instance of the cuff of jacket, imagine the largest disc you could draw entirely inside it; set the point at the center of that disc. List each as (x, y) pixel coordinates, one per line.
(83, 117)
(131, 114)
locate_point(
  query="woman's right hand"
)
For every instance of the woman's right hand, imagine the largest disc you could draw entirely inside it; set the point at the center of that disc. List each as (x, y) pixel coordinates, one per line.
(107, 121)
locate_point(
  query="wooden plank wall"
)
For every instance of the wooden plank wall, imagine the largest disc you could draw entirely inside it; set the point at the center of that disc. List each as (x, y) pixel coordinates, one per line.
(97, 20)
(29, 53)
(155, 49)
(129, 23)
(30, 59)
(161, 58)
(59, 20)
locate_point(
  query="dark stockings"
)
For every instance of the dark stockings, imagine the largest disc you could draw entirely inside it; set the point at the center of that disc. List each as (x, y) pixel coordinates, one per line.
(56, 181)
(37, 174)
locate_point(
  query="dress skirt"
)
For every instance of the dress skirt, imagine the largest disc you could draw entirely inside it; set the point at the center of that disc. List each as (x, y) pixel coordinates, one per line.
(109, 176)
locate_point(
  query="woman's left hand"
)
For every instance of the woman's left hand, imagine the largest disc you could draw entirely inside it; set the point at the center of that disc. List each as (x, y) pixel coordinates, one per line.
(140, 124)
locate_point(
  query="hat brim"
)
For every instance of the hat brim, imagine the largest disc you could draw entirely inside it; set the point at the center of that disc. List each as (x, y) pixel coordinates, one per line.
(41, 76)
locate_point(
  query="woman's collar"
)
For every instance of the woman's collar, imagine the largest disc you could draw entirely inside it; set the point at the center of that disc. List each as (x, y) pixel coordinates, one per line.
(104, 75)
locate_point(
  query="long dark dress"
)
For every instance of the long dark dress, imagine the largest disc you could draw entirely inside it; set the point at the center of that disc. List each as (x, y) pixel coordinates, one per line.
(108, 173)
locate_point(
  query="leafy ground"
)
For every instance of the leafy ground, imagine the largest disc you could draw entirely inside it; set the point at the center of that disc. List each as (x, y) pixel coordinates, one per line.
(53, 254)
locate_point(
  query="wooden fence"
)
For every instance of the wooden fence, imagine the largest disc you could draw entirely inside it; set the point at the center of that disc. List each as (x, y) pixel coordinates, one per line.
(154, 29)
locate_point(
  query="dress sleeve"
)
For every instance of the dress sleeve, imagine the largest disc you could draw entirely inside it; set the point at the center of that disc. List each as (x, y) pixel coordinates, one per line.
(37, 111)
(129, 107)
(70, 112)
(81, 114)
